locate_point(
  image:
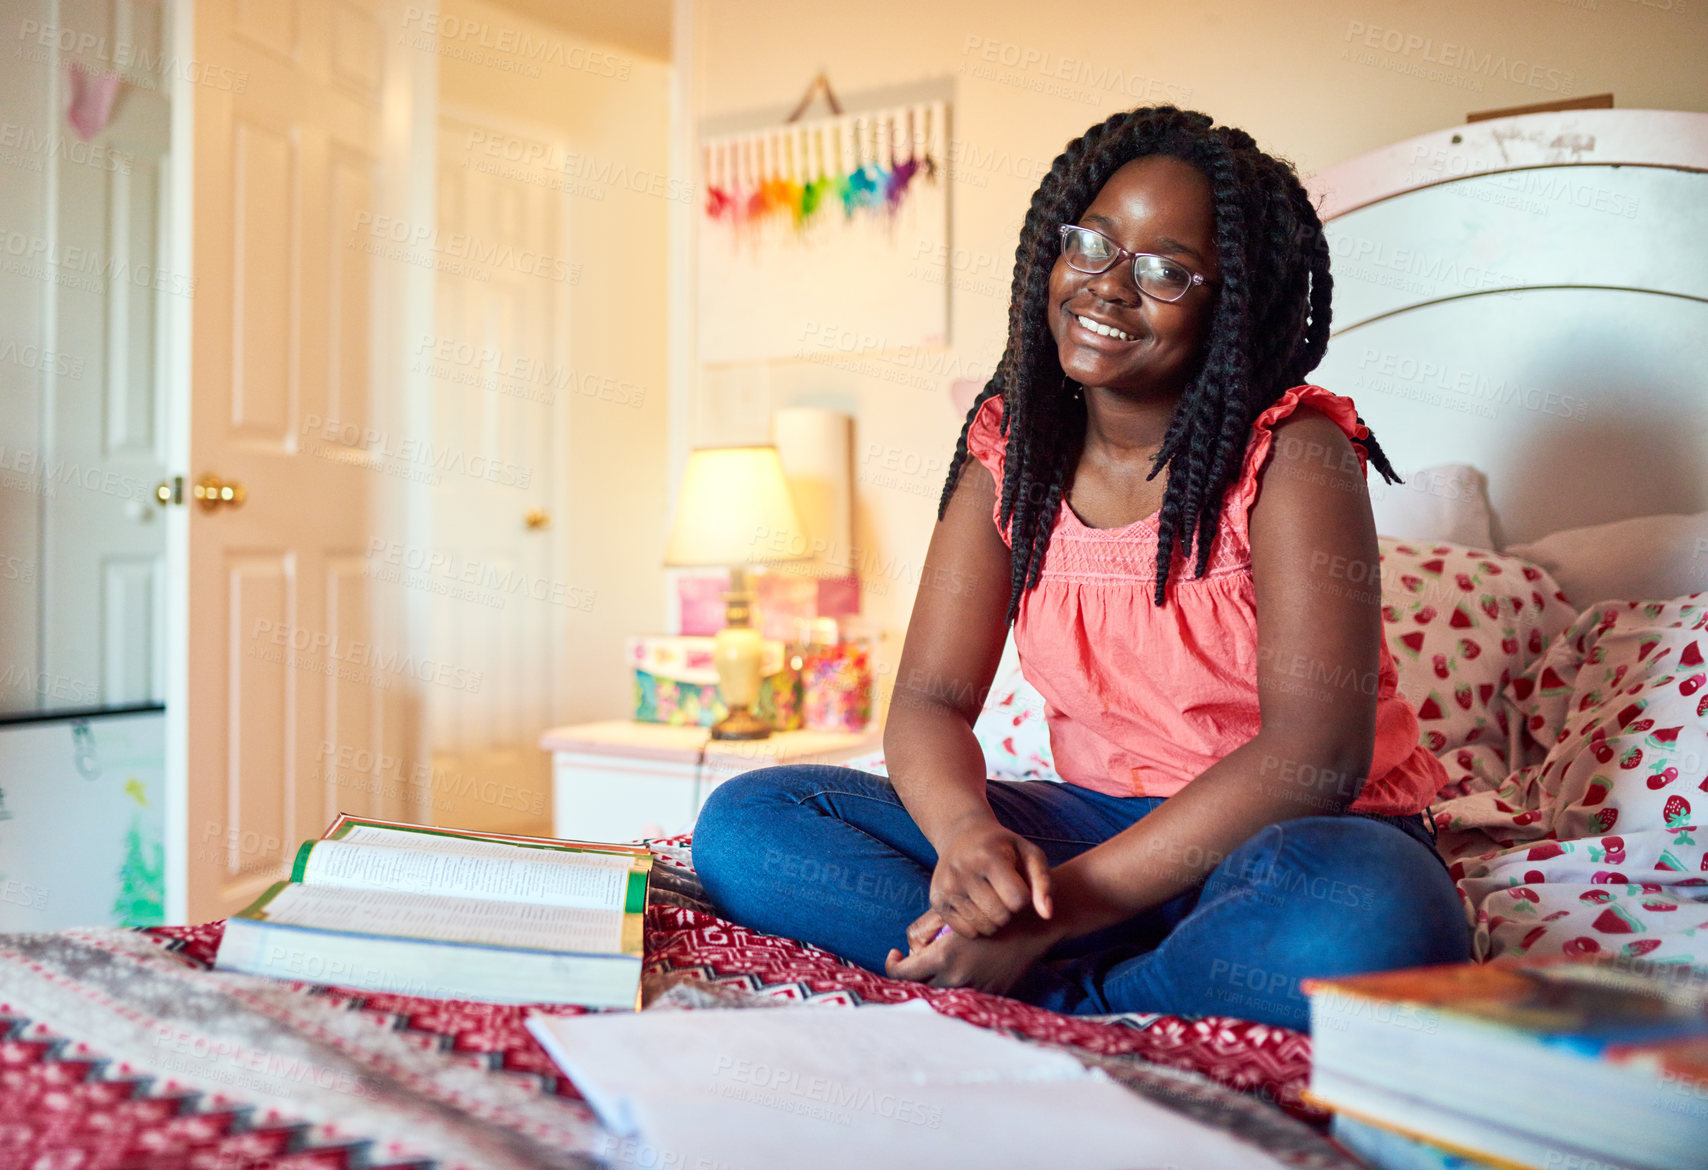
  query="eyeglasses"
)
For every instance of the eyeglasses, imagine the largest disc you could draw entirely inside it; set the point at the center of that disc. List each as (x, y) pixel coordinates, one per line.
(1161, 277)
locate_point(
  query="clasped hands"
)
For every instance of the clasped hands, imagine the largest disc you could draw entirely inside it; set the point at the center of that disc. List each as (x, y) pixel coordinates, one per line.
(991, 889)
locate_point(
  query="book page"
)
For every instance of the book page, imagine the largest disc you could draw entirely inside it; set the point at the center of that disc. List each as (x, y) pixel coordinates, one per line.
(345, 824)
(456, 920)
(471, 869)
(436, 842)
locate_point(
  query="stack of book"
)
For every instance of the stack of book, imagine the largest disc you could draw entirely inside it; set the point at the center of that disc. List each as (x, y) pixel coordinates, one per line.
(1553, 1063)
(451, 914)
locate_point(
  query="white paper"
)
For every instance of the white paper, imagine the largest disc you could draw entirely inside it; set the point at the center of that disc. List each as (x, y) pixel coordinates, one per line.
(470, 920)
(492, 871)
(834, 1088)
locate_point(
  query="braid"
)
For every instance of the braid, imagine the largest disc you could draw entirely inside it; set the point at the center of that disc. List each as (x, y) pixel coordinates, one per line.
(1214, 437)
(1269, 330)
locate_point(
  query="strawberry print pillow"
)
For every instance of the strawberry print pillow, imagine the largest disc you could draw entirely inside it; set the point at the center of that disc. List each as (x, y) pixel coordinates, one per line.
(1461, 623)
(1597, 849)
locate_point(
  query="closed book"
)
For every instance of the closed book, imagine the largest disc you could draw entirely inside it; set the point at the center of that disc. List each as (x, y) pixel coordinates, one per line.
(1546, 1062)
(1389, 1149)
(451, 914)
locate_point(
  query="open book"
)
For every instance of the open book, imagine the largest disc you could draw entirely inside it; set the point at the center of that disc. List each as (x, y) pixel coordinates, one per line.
(451, 914)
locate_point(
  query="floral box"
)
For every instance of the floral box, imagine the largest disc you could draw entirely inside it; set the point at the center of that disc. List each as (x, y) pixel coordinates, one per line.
(676, 683)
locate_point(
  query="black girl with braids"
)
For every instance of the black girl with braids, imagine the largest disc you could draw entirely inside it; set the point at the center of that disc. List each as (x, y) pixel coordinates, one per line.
(1275, 292)
(1243, 793)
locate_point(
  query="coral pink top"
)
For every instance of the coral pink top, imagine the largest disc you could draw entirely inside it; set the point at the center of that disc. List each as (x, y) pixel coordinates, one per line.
(1140, 700)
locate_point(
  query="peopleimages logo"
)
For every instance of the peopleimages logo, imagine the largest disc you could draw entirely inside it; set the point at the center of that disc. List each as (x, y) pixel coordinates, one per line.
(517, 374)
(137, 64)
(452, 574)
(72, 266)
(311, 648)
(1467, 386)
(361, 445)
(1071, 77)
(531, 160)
(783, 1088)
(41, 474)
(399, 239)
(1427, 51)
(453, 33)
(27, 141)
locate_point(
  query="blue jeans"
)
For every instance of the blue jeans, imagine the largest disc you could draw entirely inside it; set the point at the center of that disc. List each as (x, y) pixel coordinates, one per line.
(830, 856)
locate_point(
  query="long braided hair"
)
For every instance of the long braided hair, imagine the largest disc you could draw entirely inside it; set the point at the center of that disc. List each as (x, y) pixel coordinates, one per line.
(1269, 330)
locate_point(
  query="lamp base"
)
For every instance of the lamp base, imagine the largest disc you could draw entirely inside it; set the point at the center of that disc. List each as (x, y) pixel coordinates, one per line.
(741, 724)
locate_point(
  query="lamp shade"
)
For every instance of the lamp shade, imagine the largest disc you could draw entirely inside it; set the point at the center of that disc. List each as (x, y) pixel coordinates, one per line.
(817, 450)
(735, 509)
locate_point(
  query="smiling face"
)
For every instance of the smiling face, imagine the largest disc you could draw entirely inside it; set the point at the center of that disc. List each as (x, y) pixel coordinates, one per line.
(1152, 204)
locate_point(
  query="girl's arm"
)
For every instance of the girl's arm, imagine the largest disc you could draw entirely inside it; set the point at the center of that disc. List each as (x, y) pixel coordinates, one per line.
(948, 660)
(1314, 564)
(954, 641)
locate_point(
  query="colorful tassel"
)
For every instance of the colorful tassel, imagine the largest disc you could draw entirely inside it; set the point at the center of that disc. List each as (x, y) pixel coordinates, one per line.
(868, 188)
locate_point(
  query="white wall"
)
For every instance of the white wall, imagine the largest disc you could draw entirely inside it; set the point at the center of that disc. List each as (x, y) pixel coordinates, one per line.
(1315, 83)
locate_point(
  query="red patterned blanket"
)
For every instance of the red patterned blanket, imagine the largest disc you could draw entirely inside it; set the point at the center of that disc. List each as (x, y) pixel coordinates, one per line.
(122, 1049)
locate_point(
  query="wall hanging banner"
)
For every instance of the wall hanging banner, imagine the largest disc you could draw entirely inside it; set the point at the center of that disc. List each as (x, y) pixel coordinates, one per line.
(826, 237)
(91, 100)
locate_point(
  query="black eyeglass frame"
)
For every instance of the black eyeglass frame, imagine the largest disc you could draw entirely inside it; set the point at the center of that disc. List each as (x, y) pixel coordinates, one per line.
(1121, 253)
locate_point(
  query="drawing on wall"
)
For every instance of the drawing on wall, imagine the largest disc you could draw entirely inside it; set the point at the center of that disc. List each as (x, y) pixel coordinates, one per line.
(141, 897)
(825, 237)
(84, 841)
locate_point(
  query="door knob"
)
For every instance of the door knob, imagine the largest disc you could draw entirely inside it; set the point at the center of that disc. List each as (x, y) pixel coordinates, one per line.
(537, 518)
(213, 492)
(169, 491)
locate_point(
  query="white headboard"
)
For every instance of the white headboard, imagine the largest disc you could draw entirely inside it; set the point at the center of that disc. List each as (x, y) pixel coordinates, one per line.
(1529, 295)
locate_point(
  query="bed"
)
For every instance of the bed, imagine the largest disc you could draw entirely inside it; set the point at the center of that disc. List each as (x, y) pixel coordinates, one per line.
(1541, 599)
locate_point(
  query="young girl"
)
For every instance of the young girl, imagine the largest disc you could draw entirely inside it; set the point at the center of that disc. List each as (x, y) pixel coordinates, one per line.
(1179, 532)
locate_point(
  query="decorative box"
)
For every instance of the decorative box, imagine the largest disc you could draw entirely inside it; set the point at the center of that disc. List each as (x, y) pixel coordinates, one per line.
(780, 598)
(836, 674)
(676, 683)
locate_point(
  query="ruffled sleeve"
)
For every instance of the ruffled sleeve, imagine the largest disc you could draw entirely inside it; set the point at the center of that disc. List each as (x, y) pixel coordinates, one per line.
(985, 439)
(987, 444)
(1243, 493)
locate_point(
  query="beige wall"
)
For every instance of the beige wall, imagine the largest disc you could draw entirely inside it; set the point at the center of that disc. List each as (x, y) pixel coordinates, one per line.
(614, 113)
(1311, 82)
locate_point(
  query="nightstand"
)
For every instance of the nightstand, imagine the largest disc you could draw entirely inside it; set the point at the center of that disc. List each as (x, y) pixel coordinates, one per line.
(619, 779)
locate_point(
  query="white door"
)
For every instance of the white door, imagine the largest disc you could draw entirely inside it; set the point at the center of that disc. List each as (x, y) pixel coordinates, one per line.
(82, 291)
(296, 689)
(500, 379)
(103, 545)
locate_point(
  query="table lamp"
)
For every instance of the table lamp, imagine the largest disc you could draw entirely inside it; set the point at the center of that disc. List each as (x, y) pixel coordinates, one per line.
(735, 510)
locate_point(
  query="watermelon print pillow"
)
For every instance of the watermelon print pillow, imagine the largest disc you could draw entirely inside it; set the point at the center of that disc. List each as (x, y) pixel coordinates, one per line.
(1460, 624)
(1013, 732)
(1599, 847)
